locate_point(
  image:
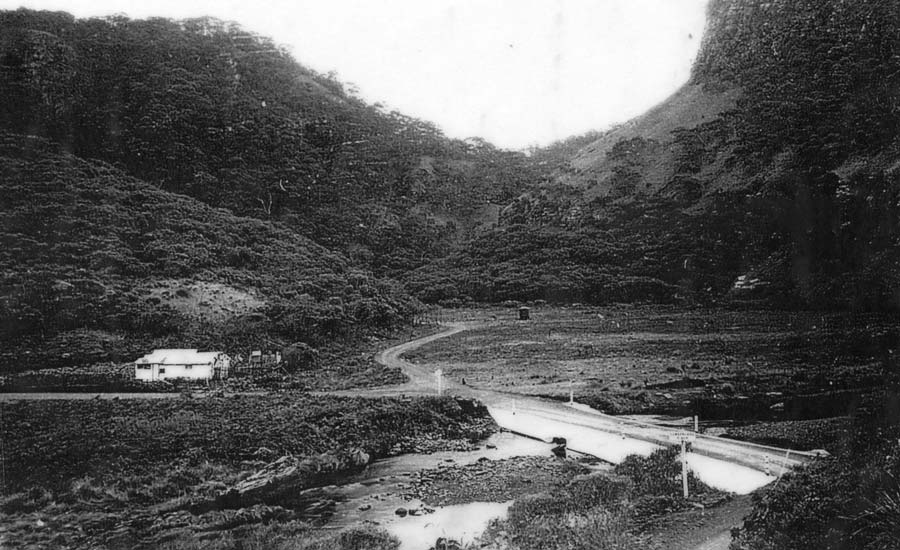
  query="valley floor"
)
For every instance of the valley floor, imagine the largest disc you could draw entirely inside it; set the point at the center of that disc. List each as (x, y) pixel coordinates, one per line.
(136, 472)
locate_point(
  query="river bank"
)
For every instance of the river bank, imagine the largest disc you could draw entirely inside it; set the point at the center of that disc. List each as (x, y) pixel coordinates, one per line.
(134, 473)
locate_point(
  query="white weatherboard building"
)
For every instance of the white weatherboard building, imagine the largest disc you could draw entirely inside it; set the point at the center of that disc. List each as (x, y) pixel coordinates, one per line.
(165, 364)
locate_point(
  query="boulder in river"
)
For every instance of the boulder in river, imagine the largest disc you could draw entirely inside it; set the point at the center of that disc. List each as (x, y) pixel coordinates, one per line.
(559, 451)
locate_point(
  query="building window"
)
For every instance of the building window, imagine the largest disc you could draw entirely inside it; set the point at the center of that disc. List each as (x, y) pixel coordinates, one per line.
(188, 367)
(162, 370)
(144, 367)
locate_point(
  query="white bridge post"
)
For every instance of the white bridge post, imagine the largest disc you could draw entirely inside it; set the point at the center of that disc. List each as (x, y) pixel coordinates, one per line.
(683, 437)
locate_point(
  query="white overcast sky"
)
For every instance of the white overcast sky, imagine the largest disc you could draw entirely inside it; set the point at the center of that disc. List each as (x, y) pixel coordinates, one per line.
(515, 72)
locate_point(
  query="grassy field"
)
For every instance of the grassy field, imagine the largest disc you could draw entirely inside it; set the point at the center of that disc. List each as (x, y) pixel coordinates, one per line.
(725, 365)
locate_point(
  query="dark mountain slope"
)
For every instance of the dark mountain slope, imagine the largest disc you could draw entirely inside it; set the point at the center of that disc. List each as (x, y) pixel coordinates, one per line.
(774, 173)
(91, 256)
(641, 156)
(206, 109)
(808, 83)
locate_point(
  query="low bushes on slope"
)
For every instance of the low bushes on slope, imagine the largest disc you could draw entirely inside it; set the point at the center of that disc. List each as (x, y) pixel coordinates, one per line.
(51, 443)
(599, 510)
(85, 247)
(205, 473)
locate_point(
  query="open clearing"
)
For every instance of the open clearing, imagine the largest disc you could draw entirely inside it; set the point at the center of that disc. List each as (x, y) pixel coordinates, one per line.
(723, 365)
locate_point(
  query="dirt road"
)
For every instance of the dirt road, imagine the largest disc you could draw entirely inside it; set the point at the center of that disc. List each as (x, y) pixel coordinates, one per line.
(700, 529)
(43, 396)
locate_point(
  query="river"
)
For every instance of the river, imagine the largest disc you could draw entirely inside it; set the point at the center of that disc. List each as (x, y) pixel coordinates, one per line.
(375, 494)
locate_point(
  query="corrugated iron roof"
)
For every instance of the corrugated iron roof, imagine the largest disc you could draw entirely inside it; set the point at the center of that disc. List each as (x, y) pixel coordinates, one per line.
(178, 357)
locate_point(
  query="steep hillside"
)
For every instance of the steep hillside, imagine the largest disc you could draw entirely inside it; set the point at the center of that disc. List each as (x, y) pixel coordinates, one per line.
(204, 108)
(774, 173)
(809, 83)
(97, 265)
(641, 156)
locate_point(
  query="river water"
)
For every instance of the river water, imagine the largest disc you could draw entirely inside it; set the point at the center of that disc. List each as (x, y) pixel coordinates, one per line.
(615, 447)
(374, 495)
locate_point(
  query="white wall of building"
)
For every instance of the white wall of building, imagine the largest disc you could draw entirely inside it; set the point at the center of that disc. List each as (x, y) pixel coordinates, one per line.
(147, 367)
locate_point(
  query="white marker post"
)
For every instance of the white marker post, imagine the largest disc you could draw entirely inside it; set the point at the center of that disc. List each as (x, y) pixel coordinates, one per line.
(684, 438)
(438, 378)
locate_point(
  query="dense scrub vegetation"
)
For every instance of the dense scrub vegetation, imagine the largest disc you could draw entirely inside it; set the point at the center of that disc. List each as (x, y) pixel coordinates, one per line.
(848, 502)
(141, 473)
(292, 536)
(52, 443)
(600, 510)
(819, 78)
(795, 187)
(207, 109)
(622, 259)
(802, 240)
(97, 264)
(815, 134)
(84, 245)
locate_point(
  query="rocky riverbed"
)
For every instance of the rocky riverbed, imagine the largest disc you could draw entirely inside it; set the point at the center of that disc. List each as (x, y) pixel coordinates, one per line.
(418, 497)
(492, 481)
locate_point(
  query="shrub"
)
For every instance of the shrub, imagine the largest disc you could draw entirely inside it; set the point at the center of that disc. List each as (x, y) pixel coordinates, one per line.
(655, 505)
(354, 538)
(587, 513)
(35, 498)
(527, 510)
(602, 530)
(598, 489)
(300, 356)
(658, 474)
(597, 529)
(447, 544)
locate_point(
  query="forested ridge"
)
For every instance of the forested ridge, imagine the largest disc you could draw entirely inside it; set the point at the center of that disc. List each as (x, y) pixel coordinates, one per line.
(206, 109)
(189, 183)
(777, 163)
